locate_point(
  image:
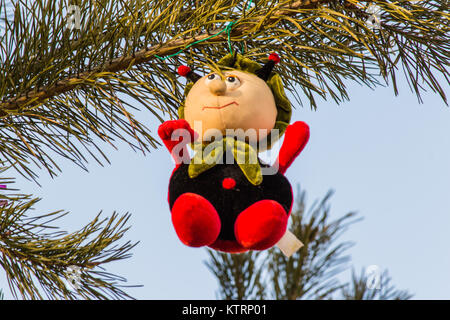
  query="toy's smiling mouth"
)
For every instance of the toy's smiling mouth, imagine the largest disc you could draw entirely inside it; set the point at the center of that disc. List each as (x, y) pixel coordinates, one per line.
(225, 105)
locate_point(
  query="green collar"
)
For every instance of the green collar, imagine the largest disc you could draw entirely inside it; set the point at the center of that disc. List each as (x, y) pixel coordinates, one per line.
(207, 156)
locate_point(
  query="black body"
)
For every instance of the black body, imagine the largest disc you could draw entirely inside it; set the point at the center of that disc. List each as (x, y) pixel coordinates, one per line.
(230, 202)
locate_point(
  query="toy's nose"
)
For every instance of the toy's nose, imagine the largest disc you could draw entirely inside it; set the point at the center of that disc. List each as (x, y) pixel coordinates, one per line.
(217, 87)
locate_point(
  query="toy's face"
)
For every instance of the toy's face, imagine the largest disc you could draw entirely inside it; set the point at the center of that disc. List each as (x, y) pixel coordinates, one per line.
(231, 100)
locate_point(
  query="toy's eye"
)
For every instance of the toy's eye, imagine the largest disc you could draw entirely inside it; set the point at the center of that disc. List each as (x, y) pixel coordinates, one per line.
(212, 77)
(232, 82)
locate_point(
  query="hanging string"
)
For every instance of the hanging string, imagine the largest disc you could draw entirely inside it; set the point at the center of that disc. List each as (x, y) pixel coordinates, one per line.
(227, 29)
(229, 36)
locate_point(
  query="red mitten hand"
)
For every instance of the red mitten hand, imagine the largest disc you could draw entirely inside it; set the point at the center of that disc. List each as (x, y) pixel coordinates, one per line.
(176, 134)
(295, 139)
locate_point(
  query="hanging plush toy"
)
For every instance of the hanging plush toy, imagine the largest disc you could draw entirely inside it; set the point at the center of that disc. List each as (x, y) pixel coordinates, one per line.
(233, 206)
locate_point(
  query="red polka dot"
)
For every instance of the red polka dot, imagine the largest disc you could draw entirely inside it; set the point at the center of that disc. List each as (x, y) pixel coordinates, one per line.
(228, 183)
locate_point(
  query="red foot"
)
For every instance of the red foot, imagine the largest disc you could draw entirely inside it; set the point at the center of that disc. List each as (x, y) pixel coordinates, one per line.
(195, 220)
(261, 225)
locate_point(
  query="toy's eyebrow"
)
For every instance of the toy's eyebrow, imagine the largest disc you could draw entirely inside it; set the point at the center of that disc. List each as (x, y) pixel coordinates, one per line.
(231, 74)
(221, 74)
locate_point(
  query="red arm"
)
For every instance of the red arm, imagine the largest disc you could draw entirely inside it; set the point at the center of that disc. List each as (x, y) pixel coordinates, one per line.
(176, 134)
(295, 139)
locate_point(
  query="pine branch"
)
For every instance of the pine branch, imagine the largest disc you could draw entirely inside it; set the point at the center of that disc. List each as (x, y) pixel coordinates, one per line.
(84, 87)
(358, 288)
(308, 274)
(239, 275)
(36, 96)
(37, 257)
(311, 272)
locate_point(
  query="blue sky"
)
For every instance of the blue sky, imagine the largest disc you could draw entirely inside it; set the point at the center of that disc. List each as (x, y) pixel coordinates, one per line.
(386, 157)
